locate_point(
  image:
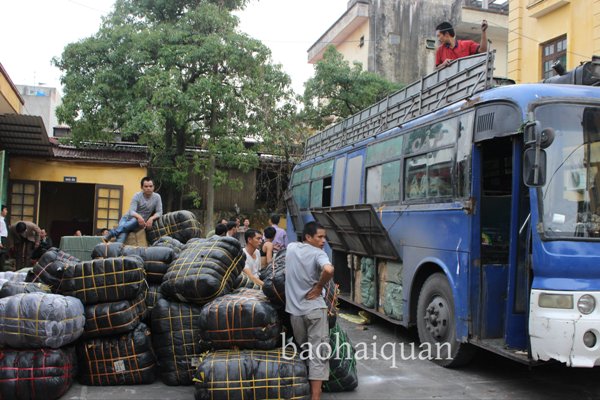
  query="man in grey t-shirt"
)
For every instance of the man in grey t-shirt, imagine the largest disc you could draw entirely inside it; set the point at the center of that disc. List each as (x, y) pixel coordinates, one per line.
(307, 271)
(145, 207)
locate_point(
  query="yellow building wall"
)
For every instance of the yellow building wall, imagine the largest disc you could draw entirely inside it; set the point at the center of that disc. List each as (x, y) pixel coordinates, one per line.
(350, 48)
(35, 169)
(532, 23)
(9, 95)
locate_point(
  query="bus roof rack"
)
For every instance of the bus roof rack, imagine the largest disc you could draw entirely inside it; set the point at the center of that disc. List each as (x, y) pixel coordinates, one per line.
(460, 80)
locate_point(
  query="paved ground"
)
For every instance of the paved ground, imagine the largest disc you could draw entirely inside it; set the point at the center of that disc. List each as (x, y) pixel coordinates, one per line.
(487, 377)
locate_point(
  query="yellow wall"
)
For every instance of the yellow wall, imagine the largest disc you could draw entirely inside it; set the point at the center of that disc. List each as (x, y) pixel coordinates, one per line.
(350, 49)
(35, 169)
(532, 23)
(9, 95)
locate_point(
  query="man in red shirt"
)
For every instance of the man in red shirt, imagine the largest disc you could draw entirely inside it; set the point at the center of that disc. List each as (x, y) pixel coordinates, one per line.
(452, 48)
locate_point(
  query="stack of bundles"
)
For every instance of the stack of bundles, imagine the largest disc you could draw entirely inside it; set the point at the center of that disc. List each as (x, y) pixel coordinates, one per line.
(50, 267)
(181, 225)
(156, 259)
(342, 364)
(168, 241)
(44, 374)
(105, 319)
(32, 320)
(244, 319)
(107, 250)
(11, 288)
(119, 360)
(273, 277)
(176, 340)
(251, 374)
(105, 280)
(9, 276)
(153, 295)
(204, 270)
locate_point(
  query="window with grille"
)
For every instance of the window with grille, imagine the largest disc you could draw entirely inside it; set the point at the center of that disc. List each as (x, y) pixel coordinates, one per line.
(109, 202)
(23, 201)
(552, 51)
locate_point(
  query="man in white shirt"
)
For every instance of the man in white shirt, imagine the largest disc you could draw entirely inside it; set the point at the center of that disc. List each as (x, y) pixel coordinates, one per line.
(253, 239)
(3, 237)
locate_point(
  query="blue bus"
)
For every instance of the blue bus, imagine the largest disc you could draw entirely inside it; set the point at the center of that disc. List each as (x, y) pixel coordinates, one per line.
(477, 223)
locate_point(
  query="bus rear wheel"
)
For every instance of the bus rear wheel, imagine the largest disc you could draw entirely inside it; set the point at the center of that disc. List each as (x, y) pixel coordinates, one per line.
(436, 324)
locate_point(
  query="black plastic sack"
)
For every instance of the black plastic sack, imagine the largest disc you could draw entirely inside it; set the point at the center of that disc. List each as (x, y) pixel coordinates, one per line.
(342, 364)
(105, 280)
(153, 295)
(176, 340)
(273, 277)
(11, 288)
(125, 359)
(251, 374)
(108, 250)
(156, 260)
(33, 320)
(50, 267)
(244, 319)
(204, 270)
(39, 374)
(106, 319)
(181, 225)
(243, 281)
(168, 241)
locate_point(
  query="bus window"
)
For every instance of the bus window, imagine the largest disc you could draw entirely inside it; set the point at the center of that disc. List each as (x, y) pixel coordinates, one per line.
(316, 193)
(431, 137)
(301, 193)
(353, 179)
(383, 183)
(338, 181)
(439, 173)
(416, 178)
(383, 151)
(463, 154)
(374, 185)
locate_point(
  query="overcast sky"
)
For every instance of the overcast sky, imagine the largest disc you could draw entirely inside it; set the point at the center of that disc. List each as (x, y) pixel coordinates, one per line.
(34, 31)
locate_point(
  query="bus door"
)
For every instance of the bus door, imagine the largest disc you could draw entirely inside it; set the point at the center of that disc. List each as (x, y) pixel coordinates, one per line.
(499, 288)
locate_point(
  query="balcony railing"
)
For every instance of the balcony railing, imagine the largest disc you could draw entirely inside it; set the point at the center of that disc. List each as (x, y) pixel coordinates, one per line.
(499, 6)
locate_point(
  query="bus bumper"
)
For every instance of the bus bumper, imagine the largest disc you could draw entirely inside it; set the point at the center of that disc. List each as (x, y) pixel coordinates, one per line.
(558, 333)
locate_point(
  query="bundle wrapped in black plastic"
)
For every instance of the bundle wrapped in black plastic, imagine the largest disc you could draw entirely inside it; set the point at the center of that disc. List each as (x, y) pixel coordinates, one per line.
(105, 319)
(11, 288)
(168, 241)
(50, 268)
(32, 320)
(156, 260)
(38, 374)
(126, 359)
(243, 281)
(251, 374)
(244, 319)
(273, 277)
(181, 225)
(342, 364)
(108, 250)
(153, 295)
(204, 270)
(105, 280)
(176, 337)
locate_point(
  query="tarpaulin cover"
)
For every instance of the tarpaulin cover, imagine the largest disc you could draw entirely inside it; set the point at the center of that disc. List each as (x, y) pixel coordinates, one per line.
(125, 359)
(181, 225)
(38, 374)
(342, 364)
(168, 241)
(11, 288)
(204, 270)
(105, 319)
(176, 340)
(50, 267)
(105, 280)
(244, 319)
(251, 374)
(32, 320)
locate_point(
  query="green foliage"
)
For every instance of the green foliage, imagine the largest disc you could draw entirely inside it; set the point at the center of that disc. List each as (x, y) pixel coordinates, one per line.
(175, 73)
(340, 90)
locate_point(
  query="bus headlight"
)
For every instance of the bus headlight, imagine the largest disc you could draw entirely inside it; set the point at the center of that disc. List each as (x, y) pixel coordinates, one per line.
(586, 304)
(550, 300)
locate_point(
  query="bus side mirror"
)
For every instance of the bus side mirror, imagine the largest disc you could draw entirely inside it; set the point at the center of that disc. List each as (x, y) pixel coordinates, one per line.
(531, 132)
(534, 167)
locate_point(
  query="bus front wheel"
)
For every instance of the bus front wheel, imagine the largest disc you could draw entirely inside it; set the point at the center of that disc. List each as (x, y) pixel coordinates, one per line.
(436, 324)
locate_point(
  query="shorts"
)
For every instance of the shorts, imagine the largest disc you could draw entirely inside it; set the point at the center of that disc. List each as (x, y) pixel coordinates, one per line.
(312, 331)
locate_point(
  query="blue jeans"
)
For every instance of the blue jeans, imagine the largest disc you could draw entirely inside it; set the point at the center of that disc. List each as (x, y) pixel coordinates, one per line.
(126, 225)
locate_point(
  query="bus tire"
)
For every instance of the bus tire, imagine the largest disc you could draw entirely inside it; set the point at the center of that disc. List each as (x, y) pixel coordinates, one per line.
(436, 323)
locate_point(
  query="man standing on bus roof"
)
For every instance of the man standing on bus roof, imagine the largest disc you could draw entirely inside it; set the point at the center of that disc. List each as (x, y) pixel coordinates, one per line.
(451, 48)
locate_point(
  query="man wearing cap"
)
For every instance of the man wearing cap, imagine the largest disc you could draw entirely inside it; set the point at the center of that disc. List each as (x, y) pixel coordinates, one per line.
(451, 48)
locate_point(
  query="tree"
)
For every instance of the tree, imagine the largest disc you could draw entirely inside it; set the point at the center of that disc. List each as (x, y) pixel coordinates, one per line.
(338, 90)
(177, 73)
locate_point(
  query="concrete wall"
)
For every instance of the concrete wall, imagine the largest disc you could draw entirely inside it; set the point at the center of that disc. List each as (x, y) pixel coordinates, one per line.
(351, 49)
(42, 101)
(532, 23)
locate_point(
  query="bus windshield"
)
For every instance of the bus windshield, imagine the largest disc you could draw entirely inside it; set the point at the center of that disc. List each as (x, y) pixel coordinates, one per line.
(571, 196)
